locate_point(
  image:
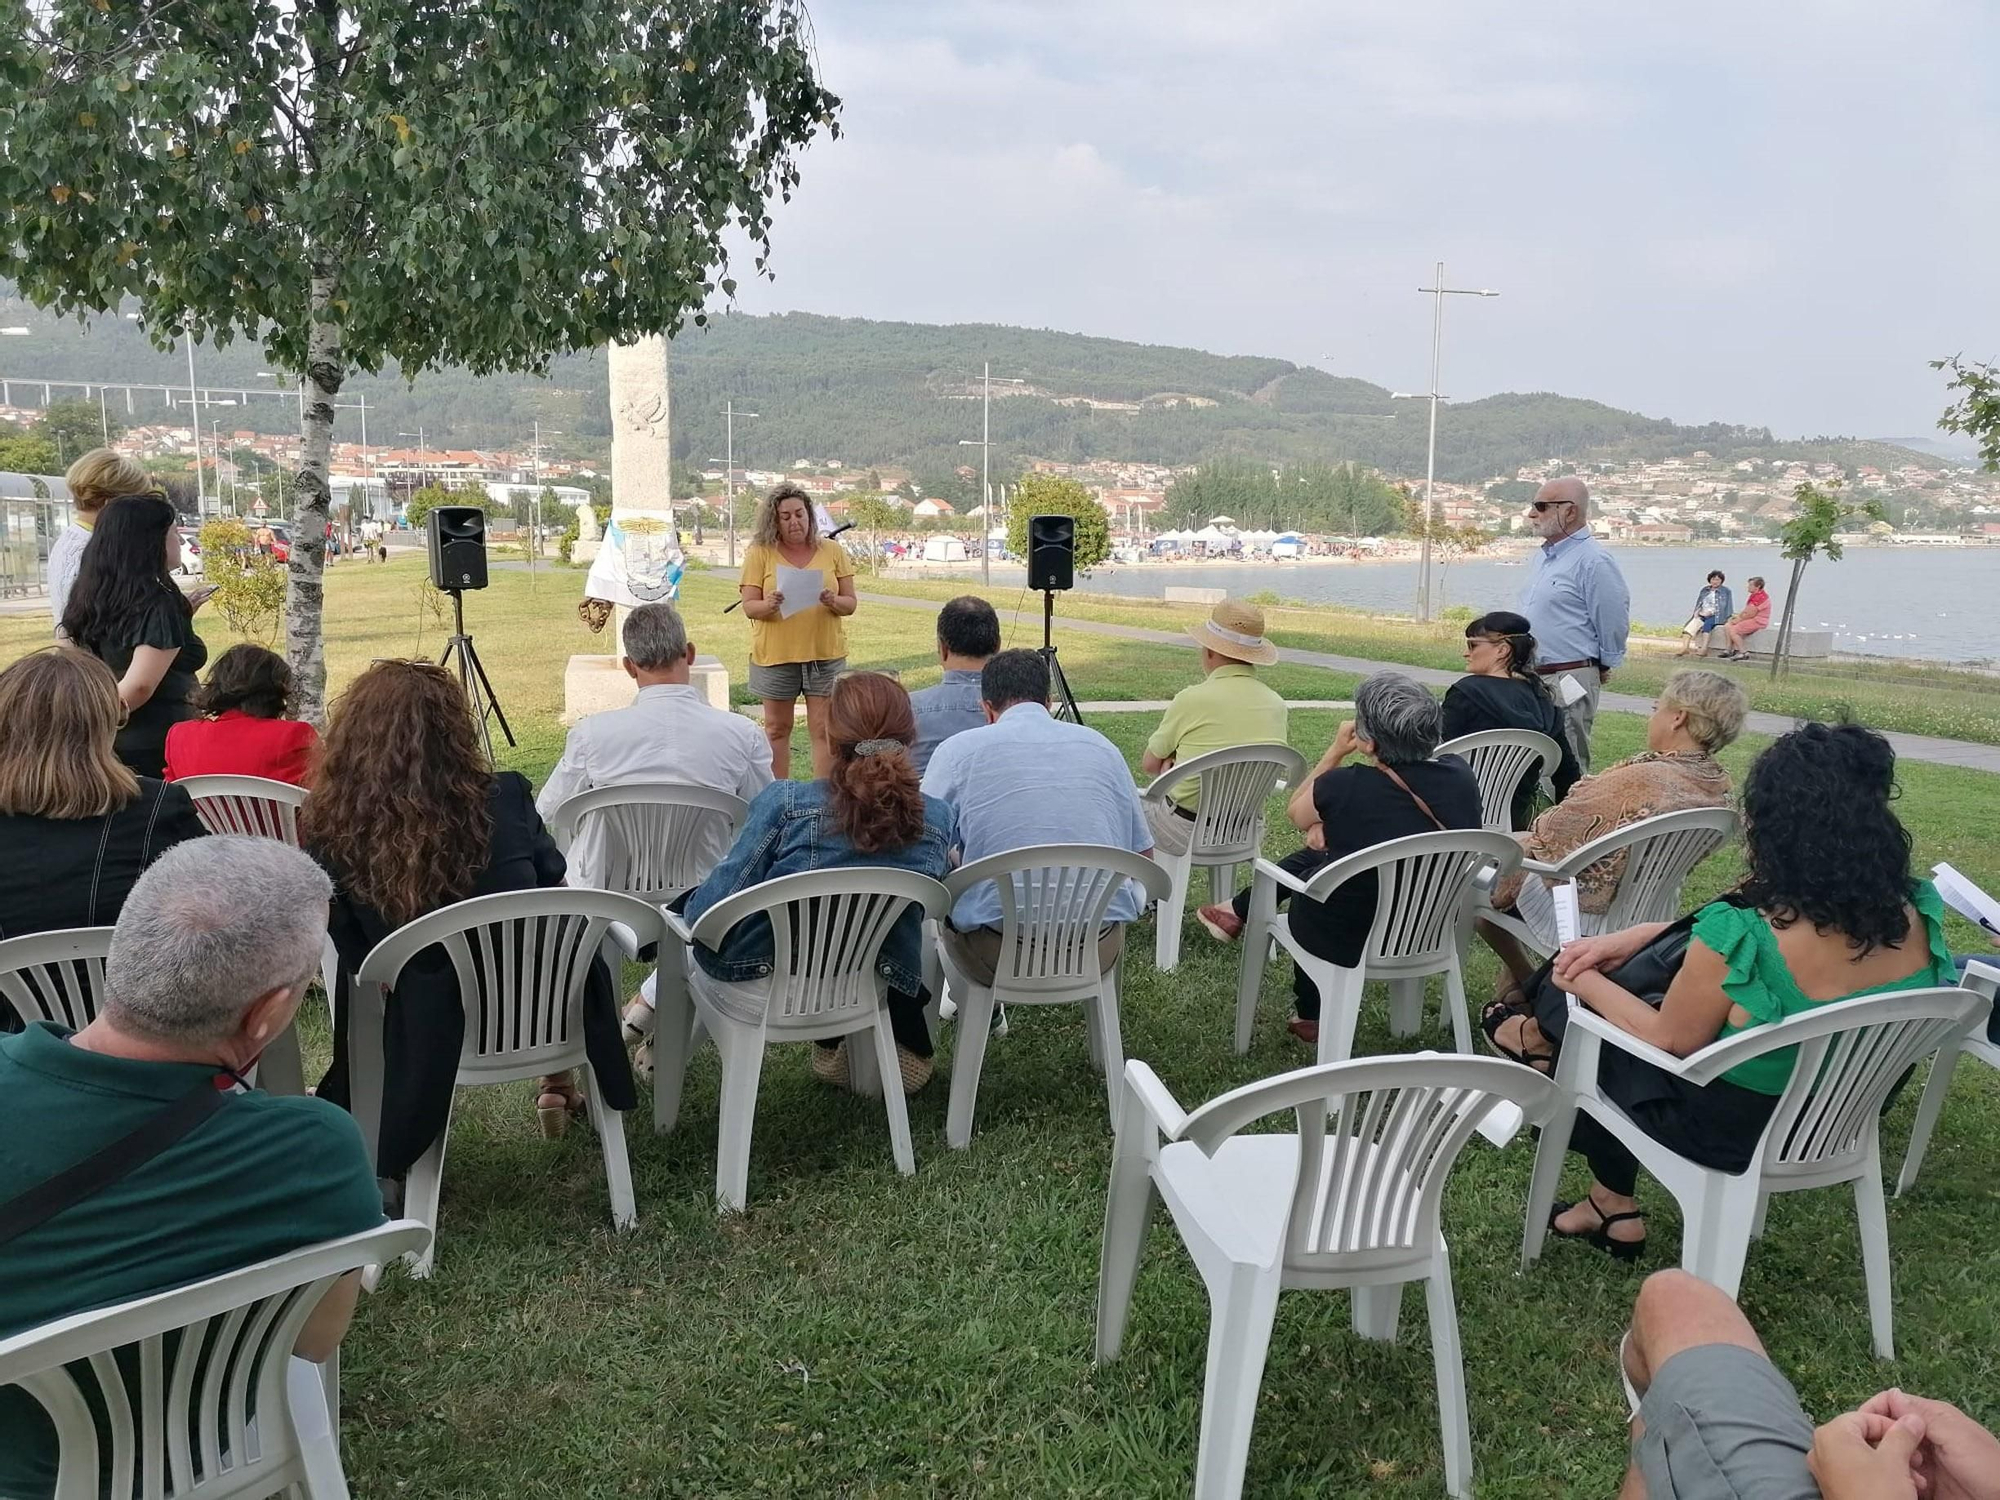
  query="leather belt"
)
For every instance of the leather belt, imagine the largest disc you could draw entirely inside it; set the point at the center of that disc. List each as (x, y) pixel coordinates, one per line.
(1549, 669)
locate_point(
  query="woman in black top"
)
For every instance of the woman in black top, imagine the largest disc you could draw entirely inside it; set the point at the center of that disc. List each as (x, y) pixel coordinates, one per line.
(407, 816)
(77, 826)
(125, 611)
(1501, 691)
(1344, 809)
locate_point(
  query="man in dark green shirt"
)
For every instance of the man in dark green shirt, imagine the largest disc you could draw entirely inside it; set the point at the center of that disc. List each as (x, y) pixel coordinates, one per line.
(213, 952)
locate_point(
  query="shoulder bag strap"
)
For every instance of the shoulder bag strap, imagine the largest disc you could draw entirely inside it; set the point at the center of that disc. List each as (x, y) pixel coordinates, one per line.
(105, 1166)
(1423, 806)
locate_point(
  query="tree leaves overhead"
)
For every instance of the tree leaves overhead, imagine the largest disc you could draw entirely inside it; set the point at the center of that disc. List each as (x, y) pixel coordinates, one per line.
(1976, 413)
(1344, 498)
(493, 182)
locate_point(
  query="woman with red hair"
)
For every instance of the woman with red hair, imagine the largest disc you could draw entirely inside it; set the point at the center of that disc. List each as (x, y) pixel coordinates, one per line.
(867, 810)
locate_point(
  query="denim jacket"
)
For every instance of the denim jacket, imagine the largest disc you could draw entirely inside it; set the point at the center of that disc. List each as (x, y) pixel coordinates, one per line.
(789, 830)
(1725, 605)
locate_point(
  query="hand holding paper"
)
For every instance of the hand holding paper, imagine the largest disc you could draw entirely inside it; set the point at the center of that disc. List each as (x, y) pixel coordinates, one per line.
(798, 588)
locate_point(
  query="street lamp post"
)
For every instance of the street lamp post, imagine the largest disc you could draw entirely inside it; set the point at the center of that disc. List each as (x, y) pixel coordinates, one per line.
(422, 448)
(194, 426)
(729, 416)
(535, 505)
(985, 447)
(1439, 291)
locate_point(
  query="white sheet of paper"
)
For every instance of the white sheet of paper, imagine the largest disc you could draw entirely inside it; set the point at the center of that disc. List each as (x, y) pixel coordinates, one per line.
(1965, 898)
(801, 588)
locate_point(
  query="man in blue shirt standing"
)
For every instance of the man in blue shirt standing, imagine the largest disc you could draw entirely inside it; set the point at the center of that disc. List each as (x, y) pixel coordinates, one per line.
(1577, 605)
(968, 634)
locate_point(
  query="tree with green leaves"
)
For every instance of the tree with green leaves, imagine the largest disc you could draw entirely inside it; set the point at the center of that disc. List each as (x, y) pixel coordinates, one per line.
(249, 584)
(1821, 516)
(350, 182)
(73, 428)
(1976, 413)
(28, 453)
(422, 502)
(1052, 495)
(874, 515)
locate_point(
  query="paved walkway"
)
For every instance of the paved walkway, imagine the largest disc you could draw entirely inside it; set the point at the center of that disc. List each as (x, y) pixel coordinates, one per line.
(1922, 747)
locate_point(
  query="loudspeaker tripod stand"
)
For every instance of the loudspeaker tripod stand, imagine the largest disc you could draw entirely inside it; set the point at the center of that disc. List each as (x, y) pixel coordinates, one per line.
(459, 653)
(1062, 700)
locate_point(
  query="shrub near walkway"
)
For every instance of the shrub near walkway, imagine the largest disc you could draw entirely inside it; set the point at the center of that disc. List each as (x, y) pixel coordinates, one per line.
(857, 1333)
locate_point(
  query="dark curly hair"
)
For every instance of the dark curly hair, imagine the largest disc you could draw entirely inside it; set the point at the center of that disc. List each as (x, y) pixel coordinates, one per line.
(249, 677)
(400, 797)
(1823, 844)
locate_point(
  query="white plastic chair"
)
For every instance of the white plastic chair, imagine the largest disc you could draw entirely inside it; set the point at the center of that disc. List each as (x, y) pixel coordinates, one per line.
(1661, 852)
(1227, 829)
(1426, 887)
(1350, 1200)
(1052, 905)
(522, 960)
(827, 930)
(1824, 1132)
(55, 976)
(1501, 759)
(253, 805)
(651, 839)
(221, 1407)
(1981, 979)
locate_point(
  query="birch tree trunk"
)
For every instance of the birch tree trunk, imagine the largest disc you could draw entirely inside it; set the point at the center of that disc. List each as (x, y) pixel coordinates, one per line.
(1785, 624)
(305, 645)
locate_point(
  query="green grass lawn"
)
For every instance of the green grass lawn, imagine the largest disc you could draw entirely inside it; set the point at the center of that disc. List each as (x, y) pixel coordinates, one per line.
(861, 1334)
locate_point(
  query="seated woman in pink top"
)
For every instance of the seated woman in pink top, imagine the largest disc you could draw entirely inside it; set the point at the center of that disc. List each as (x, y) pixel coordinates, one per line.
(243, 730)
(1746, 622)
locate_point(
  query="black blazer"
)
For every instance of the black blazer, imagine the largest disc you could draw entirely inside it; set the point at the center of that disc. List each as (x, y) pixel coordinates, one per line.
(425, 1025)
(76, 872)
(1475, 703)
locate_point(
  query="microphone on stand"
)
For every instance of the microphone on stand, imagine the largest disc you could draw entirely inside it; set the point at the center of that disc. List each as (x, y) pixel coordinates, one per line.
(843, 526)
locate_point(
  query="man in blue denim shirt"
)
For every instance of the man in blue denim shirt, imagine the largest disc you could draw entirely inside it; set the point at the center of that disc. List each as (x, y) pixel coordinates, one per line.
(1577, 604)
(968, 635)
(1028, 778)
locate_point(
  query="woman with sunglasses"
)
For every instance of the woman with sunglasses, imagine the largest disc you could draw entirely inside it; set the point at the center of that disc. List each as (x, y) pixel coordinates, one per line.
(1501, 690)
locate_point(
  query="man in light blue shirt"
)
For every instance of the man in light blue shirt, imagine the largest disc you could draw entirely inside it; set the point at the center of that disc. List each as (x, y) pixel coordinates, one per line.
(968, 636)
(1027, 778)
(1577, 606)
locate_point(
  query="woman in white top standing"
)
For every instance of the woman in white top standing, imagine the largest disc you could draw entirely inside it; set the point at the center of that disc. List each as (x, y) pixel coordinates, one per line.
(94, 481)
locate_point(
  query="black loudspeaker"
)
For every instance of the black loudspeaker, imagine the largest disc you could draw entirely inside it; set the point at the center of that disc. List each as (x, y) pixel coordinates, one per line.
(1051, 552)
(458, 546)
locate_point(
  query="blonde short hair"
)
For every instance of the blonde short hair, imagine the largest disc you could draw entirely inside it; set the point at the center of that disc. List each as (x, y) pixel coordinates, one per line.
(1715, 705)
(102, 475)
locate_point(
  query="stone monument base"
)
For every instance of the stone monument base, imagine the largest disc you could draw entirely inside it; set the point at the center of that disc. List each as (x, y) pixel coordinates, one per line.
(583, 551)
(592, 684)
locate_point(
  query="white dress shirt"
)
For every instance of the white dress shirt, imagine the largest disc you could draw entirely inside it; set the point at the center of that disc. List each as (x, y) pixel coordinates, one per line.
(65, 557)
(670, 733)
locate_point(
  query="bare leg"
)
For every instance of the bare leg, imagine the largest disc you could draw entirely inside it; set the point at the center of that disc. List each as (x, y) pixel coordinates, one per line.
(778, 730)
(1676, 1311)
(1520, 963)
(822, 751)
(1597, 1206)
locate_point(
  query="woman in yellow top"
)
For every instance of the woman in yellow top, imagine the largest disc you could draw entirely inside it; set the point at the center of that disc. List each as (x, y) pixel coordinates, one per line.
(795, 650)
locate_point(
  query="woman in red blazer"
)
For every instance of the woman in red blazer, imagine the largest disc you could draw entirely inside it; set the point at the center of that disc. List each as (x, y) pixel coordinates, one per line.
(243, 731)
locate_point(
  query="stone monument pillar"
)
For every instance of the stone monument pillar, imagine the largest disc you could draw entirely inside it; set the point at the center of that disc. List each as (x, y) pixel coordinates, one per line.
(641, 499)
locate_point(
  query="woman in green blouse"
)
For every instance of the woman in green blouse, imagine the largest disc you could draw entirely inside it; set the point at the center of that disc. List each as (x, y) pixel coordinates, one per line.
(1829, 911)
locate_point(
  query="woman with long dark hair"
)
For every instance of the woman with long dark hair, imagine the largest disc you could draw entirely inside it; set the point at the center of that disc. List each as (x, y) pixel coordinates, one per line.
(1501, 690)
(407, 816)
(1830, 910)
(867, 810)
(125, 610)
(245, 728)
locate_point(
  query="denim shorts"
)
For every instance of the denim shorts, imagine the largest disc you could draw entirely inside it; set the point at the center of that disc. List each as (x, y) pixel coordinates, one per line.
(787, 681)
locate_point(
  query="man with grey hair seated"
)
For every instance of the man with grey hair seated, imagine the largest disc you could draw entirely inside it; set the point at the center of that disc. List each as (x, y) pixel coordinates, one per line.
(1342, 809)
(670, 733)
(192, 1172)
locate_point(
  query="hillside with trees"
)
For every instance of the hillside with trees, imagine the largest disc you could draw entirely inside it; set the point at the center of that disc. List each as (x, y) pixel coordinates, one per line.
(878, 393)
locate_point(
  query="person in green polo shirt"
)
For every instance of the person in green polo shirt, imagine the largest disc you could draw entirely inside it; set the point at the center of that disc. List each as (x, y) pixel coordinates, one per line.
(1228, 707)
(211, 956)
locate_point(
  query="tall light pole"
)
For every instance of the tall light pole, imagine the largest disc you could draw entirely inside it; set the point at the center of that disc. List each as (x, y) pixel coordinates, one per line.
(1439, 291)
(422, 448)
(194, 424)
(729, 416)
(535, 509)
(985, 447)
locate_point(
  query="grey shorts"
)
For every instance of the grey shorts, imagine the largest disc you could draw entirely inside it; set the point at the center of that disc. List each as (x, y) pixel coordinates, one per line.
(788, 681)
(1722, 1424)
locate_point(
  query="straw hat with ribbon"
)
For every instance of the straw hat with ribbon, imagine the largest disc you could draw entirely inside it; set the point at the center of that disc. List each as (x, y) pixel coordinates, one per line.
(1236, 631)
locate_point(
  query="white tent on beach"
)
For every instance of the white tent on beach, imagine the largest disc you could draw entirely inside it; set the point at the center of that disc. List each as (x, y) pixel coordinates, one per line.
(944, 549)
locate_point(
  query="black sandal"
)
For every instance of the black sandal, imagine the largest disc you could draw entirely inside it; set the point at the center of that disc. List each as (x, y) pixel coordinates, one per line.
(1497, 1014)
(1600, 1237)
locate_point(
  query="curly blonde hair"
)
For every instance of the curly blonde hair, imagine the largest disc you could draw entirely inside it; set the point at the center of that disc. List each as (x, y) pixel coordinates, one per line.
(766, 534)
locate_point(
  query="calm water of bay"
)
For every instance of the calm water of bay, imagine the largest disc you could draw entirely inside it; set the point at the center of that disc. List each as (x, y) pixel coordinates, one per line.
(1941, 605)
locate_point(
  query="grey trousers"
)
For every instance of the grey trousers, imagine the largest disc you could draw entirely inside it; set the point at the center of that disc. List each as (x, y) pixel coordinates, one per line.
(1580, 717)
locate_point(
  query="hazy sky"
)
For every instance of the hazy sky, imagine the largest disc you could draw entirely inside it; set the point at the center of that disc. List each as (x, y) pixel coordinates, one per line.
(1769, 212)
